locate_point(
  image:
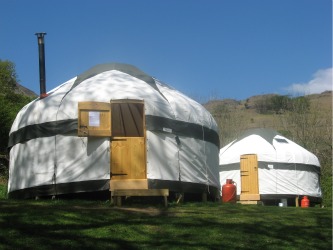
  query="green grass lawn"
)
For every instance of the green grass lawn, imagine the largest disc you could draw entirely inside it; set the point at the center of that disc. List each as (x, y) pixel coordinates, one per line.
(73, 224)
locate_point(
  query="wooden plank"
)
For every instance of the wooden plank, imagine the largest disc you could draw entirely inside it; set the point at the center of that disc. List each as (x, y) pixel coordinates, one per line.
(165, 200)
(249, 197)
(118, 201)
(127, 101)
(94, 105)
(249, 202)
(138, 153)
(297, 201)
(128, 184)
(204, 197)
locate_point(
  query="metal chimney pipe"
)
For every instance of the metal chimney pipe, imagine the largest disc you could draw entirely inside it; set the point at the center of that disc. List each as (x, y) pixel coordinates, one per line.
(42, 77)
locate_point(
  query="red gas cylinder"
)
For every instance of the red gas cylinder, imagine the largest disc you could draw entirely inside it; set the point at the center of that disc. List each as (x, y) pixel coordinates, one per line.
(305, 202)
(229, 192)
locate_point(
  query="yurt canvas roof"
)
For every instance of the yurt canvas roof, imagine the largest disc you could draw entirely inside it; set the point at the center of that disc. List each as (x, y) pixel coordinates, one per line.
(285, 168)
(269, 145)
(182, 141)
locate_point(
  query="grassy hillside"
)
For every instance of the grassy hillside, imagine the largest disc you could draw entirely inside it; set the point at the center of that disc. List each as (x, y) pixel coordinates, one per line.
(248, 117)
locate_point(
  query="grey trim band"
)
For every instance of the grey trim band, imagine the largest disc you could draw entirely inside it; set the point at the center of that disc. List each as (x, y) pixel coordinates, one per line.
(61, 188)
(183, 187)
(153, 123)
(276, 165)
(46, 129)
(125, 68)
(157, 123)
(104, 185)
(292, 197)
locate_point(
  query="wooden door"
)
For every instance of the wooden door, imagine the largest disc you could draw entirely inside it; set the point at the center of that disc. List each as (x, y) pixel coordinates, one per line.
(127, 158)
(249, 177)
(128, 145)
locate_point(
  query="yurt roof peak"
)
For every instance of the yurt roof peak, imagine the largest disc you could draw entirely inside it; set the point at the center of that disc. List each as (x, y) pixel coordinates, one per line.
(265, 133)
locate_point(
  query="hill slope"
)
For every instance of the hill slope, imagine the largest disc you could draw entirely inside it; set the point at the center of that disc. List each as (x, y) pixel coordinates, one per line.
(24, 91)
(234, 116)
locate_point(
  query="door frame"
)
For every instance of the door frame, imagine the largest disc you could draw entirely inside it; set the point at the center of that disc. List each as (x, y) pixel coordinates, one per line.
(122, 182)
(249, 177)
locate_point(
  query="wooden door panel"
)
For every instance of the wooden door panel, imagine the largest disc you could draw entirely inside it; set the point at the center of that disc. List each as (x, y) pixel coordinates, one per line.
(119, 159)
(249, 174)
(128, 145)
(128, 158)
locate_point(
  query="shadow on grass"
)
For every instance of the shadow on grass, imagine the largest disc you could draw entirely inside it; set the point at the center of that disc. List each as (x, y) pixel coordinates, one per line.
(92, 225)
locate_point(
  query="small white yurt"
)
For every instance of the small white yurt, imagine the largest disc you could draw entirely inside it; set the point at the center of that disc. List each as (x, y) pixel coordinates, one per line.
(113, 127)
(266, 166)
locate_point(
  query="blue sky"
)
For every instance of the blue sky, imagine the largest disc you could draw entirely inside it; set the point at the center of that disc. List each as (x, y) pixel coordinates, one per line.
(207, 49)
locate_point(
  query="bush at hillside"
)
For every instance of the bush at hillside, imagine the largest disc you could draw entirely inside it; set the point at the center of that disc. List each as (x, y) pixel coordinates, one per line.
(10, 103)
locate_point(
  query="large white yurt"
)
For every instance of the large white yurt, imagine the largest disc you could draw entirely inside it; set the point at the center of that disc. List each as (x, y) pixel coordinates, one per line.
(266, 166)
(113, 127)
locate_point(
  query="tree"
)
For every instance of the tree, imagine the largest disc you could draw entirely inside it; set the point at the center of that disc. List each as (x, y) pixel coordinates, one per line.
(10, 101)
(280, 103)
(8, 77)
(263, 105)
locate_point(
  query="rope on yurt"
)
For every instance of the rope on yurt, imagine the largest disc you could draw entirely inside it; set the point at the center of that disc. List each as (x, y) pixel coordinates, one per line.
(178, 157)
(296, 174)
(275, 172)
(54, 178)
(205, 156)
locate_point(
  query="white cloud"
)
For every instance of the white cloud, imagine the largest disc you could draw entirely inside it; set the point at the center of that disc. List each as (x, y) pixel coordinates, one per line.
(321, 81)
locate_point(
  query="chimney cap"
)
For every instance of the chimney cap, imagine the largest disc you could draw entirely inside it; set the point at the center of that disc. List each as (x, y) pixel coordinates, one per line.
(40, 34)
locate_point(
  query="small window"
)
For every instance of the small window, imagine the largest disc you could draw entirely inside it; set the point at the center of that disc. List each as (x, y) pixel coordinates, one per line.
(281, 140)
(94, 119)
